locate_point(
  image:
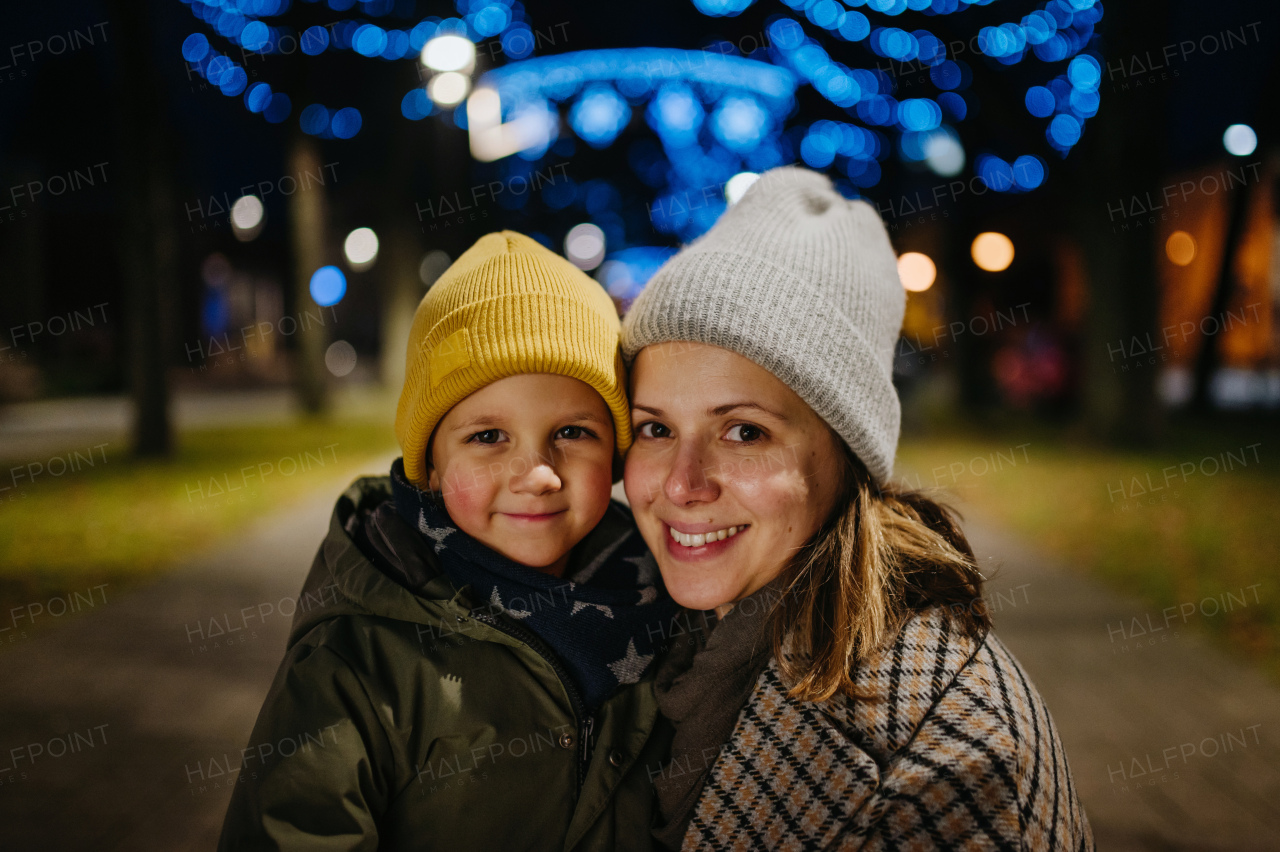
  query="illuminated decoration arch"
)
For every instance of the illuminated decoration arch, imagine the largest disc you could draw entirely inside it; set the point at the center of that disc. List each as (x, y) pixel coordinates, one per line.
(715, 114)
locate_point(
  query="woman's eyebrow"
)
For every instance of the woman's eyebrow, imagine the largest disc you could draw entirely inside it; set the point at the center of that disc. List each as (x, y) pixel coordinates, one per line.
(721, 410)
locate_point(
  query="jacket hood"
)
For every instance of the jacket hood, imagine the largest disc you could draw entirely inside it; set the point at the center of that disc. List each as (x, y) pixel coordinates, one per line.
(372, 563)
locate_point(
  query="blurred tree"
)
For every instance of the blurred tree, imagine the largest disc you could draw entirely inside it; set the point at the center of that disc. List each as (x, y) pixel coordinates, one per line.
(1208, 358)
(308, 240)
(1121, 159)
(148, 242)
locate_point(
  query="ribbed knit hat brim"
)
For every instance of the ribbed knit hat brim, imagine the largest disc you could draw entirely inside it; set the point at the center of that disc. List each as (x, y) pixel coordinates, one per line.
(804, 283)
(507, 306)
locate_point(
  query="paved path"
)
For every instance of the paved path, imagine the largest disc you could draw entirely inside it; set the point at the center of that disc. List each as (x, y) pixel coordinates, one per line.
(128, 677)
(30, 430)
(1173, 745)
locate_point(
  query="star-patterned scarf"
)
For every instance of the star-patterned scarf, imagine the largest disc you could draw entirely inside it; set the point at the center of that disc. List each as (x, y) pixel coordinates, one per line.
(604, 619)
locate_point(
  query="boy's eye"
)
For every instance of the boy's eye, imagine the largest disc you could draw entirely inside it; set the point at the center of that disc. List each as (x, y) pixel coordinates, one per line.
(653, 429)
(488, 436)
(745, 433)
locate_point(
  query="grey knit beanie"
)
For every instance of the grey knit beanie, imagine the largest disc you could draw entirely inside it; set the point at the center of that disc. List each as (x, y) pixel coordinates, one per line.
(805, 284)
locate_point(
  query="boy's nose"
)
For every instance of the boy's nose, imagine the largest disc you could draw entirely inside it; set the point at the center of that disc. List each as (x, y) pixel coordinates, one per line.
(537, 477)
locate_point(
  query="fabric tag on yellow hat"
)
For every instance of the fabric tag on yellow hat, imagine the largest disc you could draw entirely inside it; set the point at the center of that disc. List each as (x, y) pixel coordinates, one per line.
(452, 353)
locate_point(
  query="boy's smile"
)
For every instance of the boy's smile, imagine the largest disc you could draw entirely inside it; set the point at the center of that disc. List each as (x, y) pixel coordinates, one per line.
(525, 466)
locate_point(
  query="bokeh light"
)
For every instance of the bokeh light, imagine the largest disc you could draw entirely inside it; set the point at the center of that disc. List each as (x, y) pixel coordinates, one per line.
(432, 266)
(340, 358)
(346, 122)
(916, 271)
(992, 251)
(247, 216)
(361, 248)
(599, 116)
(449, 53)
(1240, 140)
(737, 186)
(328, 286)
(943, 153)
(584, 246)
(1180, 248)
(449, 88)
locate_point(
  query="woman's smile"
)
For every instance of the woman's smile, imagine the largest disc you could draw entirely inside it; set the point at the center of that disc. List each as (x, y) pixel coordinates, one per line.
(696, 542)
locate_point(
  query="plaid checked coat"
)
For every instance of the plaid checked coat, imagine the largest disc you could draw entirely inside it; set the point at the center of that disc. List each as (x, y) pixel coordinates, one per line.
(949, 747)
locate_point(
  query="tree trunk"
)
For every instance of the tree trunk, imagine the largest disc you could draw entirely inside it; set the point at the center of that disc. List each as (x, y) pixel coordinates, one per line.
(1207, 359)
(308, 237)
(1118, 162)
(147, 239)
(401, 292)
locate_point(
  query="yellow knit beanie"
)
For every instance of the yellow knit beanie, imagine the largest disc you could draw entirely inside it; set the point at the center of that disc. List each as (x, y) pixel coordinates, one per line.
(507, 306)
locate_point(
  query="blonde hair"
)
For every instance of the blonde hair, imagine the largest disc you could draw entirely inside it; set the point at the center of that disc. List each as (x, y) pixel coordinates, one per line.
(884, 553)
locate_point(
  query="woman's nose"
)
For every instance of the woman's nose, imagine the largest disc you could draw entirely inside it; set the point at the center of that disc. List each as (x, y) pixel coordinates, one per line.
(690, 480)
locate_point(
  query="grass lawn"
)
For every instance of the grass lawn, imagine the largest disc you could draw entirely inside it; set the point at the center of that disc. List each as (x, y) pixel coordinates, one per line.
(126, 519)
(1174, 526)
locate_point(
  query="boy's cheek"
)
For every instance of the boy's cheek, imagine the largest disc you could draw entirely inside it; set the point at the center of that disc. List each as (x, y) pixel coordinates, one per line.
(466, 499)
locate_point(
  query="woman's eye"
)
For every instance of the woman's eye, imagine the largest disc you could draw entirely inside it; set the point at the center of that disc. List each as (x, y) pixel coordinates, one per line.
(488, 436)
(571, 433)
(653, 429)
(745, 433)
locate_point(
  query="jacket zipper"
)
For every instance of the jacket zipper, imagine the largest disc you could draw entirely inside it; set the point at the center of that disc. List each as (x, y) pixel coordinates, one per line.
(584, 723)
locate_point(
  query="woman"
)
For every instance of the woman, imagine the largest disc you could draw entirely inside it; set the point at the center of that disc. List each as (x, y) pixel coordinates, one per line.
(848, 693)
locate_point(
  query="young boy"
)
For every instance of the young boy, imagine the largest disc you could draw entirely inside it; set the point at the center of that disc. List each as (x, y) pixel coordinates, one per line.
(476, 670)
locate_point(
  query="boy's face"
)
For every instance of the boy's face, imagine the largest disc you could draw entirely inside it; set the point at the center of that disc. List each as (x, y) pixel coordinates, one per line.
(525, 466)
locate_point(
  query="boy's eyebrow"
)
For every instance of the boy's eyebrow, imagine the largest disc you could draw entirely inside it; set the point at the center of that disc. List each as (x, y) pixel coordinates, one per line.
(496, 420)
(588, 415)
(489, 420)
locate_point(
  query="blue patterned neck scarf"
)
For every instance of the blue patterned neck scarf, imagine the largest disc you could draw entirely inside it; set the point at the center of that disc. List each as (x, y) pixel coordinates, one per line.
(604, 619)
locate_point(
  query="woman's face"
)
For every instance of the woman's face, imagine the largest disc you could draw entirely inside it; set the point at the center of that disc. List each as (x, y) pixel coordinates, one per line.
(730, 473)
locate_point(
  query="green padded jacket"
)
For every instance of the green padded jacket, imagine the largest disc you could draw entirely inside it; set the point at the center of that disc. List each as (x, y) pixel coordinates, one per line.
(400, 719)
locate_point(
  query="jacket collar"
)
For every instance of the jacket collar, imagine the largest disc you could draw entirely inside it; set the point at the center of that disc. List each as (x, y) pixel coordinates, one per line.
(821, 762)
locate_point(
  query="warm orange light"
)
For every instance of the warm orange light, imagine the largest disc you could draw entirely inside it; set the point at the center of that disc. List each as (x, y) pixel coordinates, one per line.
(916, 271)
(1180, 248)
(992, 251)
